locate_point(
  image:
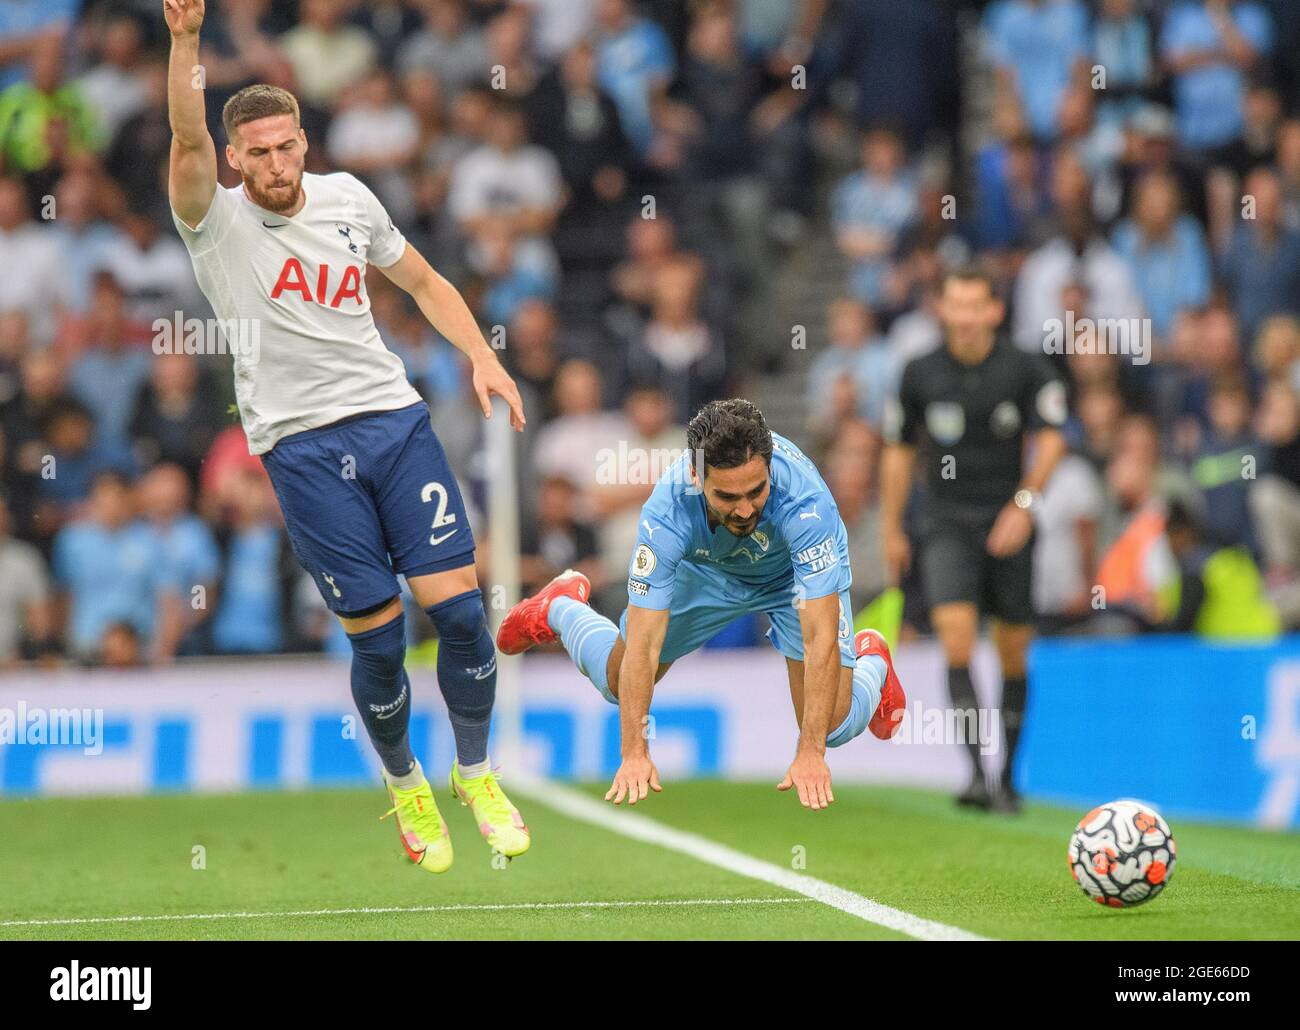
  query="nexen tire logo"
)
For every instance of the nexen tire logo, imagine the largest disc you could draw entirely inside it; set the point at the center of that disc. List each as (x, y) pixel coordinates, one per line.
(102, 983)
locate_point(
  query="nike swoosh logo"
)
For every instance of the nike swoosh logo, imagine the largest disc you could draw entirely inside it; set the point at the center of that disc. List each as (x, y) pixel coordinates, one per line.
(268, 225)
(485, 673)
(440, 539)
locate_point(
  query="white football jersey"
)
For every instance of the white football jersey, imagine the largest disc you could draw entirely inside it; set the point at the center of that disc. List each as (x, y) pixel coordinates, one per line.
(290, 294)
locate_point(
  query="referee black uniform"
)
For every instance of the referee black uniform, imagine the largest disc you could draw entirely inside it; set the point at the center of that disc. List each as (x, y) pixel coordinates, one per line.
(968, 423)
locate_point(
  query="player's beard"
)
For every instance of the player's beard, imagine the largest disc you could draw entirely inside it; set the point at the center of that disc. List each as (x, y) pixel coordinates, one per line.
(747, 529)
(276, 200)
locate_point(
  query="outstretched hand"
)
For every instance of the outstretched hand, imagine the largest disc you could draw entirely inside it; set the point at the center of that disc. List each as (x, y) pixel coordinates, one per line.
(490, 378)
(184, 17)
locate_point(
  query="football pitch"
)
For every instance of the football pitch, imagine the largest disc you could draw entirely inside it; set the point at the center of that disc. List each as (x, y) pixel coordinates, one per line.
(702, 860)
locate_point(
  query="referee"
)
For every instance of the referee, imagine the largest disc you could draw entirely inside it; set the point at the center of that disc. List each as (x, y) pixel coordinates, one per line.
(970, 412)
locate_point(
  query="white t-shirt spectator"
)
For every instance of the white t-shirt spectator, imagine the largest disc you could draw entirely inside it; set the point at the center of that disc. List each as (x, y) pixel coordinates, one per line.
(1073, 493)
(30, 283)
(1053, 266)
(23, 582)
(487, 180)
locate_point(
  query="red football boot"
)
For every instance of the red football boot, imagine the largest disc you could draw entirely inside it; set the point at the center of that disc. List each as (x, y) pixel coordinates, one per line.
(525, 623)
(889, 716)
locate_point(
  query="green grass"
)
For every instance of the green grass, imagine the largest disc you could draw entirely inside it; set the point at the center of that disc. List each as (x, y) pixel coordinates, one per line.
(280, 853)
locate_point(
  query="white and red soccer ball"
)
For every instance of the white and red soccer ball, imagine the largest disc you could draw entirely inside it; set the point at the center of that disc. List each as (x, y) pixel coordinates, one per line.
(1122, 854)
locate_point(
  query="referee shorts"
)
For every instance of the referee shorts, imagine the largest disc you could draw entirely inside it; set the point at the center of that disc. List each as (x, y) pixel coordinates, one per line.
(956, 566)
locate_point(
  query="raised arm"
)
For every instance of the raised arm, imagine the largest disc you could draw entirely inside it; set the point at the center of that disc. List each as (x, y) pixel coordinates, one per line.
(192, 172)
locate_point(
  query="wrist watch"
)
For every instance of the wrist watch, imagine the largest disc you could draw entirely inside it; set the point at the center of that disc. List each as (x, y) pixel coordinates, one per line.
(1028, 500)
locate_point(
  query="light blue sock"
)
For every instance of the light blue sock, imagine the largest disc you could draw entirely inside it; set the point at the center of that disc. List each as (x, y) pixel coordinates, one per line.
(868, 682)
(588, 637)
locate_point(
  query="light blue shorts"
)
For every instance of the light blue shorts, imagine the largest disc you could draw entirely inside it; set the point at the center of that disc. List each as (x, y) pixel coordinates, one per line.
(706, 601)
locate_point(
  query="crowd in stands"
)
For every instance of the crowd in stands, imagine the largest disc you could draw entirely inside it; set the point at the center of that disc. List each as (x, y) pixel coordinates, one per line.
(616, 186)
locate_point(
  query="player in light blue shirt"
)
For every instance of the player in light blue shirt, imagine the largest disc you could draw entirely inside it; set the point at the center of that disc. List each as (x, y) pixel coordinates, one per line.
(741, 523)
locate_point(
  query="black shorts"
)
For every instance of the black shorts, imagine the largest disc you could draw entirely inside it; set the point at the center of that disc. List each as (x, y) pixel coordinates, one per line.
(956, 566)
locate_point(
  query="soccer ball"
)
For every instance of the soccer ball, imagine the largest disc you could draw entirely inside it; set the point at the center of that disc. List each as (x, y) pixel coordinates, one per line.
(1122, 854)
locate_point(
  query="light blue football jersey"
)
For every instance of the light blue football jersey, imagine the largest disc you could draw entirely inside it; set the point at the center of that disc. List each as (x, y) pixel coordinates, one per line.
(800, 540)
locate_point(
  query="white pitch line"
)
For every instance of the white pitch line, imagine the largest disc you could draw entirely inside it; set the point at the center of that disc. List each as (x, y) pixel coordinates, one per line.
(509, 907)
(579, 806)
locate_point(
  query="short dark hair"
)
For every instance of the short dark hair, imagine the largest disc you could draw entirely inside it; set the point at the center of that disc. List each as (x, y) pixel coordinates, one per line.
(257, 101)
(726, 434)
(970, 273)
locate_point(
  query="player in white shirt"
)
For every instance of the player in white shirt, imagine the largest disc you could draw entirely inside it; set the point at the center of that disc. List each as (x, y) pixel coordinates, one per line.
(365, 488)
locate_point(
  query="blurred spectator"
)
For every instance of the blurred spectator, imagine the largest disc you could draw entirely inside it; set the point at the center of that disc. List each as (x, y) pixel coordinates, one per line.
(46, 119)
(1225, 465)
(108, 375)
(31, 280)
(636, 63)
(1065, 541)
(900, 59)
(120, 647)
(80, 234)
(1165, 251)
(559, 26)
(1122, 44)
(531, 354)
(258, 573)
(75, 456)
(856, 350)
(390, 23)
(26, 28)
(870, 209)
(577, 122)
(375, 136)
(25, 612)
(1037, 47)
(112, 88)
(1277, 350)
(568, 446)
(728, 201)
(1261, 265)
(448, 45)
(555, 540)
(327, 54)
(153, 270)
(651, 247)
(645, 447)
(42, 390)
(851, 464)
(1210, 46)
(175, 416)
(1010, 192)
(1288, 170)
(505, 195)
(432, 364)
(113, 570)
(514, 70)
(1136, 566)
(1219, 593)
(1275, 497)
(1076, 252)
(676, 348)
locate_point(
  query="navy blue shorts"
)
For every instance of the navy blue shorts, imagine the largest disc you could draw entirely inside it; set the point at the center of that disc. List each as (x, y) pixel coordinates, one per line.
(367, 499)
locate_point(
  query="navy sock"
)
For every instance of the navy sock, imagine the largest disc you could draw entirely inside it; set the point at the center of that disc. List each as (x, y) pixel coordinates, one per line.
(382, 692)
(1014, 691)
(467, 671)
